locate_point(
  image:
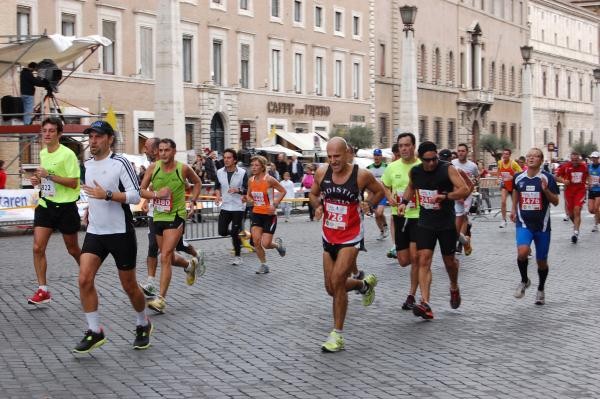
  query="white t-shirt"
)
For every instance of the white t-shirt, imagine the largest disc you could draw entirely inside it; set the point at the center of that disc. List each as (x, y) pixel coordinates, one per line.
(289, 188)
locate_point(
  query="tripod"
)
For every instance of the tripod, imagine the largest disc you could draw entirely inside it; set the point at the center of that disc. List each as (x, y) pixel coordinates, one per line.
(50, 104)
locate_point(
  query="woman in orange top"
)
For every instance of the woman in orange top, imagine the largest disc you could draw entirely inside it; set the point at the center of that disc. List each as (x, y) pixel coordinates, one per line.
(507, 168)
(261, 188)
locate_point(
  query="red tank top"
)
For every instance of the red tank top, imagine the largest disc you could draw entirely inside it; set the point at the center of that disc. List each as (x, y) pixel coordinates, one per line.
(506, 173)
(259, 190)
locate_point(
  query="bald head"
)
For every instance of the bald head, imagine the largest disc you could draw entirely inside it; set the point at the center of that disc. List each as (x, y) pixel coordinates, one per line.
(338, 154)
(151, 148)
(337, 143)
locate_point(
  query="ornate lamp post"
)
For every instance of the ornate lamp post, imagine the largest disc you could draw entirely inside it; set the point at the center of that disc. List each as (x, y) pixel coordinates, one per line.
(527, 134)
(408, 88)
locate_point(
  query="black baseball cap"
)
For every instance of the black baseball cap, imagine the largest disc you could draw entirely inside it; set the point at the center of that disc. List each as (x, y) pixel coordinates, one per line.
(445, 154)
(101, 127)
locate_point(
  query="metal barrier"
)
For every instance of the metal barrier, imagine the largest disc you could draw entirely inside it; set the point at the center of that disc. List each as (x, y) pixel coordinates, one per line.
(204, 224)
(488, 192)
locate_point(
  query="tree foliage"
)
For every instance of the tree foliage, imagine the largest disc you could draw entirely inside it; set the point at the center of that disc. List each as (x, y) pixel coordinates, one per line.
(494, 145)
(356, 136)
(585, 149)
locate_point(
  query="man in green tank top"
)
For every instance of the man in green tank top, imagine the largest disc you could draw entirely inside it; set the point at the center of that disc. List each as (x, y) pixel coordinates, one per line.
(168, 178)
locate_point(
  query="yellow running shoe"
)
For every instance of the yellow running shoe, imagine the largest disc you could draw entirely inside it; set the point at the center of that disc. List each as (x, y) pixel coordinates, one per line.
(158, 304)
(334, 343)
(190, 271)
(369, 294)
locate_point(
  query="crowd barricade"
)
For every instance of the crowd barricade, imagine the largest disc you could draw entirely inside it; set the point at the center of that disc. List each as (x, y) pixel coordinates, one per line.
(486, 198)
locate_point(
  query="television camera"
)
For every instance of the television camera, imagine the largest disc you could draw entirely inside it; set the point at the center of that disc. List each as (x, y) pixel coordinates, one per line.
(48, 70)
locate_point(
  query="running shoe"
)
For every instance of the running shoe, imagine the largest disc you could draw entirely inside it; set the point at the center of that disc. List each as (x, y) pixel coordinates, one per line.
(190, 271)
(263, 269)
(520, 291)
(455, 298)
(574, 238)
(40, 297)
(334, 343)
(280, 248)
(423, 310)
(236, 261)
(150, 290)
(384, 233)
(503, 224)
(142, 336)
(409, 303)
(91, 340)
(540, 298)
(459, 248)
(466, 244)
(392, 253)
(359, 276)
(595, 228)
(369, 294)
(158, 304)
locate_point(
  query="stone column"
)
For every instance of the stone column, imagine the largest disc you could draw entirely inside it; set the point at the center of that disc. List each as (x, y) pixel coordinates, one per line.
(527, 137)
(477, 63)
(409, 115)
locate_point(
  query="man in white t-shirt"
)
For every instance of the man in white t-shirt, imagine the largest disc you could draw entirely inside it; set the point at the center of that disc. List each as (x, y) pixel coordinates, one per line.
(461, 208)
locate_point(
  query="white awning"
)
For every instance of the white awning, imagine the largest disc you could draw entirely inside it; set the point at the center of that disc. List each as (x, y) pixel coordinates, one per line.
(303, 141)
(61, 49)
(278, 148)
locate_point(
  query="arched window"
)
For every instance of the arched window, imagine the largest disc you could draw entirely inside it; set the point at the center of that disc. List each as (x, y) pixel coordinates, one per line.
(437, 66)
(451, 68)
(422, 63)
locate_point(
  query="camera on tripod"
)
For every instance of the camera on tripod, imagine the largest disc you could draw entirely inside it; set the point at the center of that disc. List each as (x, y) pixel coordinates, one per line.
(48, 70)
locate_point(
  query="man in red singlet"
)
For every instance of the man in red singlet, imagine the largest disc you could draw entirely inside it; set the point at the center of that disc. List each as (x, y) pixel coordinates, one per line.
(573, 175)
(507, 168)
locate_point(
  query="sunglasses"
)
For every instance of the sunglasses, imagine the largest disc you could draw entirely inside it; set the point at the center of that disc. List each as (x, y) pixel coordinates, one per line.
(434, 159)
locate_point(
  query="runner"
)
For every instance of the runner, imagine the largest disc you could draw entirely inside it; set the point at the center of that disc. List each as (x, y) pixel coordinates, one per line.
(195, 262)
(111, 185)
(534, 191)
(461, 208)
(392, 251)
(168, 178)
(395, 180)
(507, 168)
(231, 187)
(264, 211)
(378, 169)
(438, 185)
(58, 180)
(573, 175)
(594, 189)
(340, 185)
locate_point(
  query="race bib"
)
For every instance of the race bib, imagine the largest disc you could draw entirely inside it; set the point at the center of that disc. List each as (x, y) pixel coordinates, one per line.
(259, 198)
(427, 199)
(576, 177)
(531, 201)
(163, 205)
(506, 176)
(595, 180)
(47, 187)
(336, 216)
(400, 197)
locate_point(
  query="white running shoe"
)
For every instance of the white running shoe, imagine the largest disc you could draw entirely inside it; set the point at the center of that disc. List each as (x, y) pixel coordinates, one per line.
(503, 224)
(540, 298)
(236, 261)
(520, 291)
(595, 228)
(263, 269)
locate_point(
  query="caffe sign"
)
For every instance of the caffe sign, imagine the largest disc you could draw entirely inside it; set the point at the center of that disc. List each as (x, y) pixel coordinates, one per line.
(274, 107)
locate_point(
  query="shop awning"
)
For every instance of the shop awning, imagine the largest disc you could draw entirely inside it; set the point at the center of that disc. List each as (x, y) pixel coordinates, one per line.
(302, 141)
(278, 148)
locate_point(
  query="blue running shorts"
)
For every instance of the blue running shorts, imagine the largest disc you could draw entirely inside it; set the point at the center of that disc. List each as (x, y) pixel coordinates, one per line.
(540, 238)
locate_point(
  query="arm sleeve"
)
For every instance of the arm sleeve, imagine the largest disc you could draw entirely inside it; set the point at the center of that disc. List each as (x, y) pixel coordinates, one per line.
(130, 184)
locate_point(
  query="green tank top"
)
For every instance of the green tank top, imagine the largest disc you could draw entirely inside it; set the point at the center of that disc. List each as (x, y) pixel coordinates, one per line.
(165, 210)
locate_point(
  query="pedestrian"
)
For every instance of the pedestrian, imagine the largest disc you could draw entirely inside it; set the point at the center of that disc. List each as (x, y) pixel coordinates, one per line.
(378, 169)
(261, 187)
(438, 185)
(2, 175)
(210, 170)
(594, 189)
(111, 185)
(58, 180)
(573, 175)
(470, 172)
(307, 182)
(395, 180)
(231, 187)
(168, 178)
(507, 168)
(296, 169)
(286, 203)
(28, 82)
(336, 197)
(281, 165)
(534, 191)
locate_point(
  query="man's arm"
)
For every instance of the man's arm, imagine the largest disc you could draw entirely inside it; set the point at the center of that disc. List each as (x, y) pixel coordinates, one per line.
(369, 182)
(550, 190)
(315, 191)
(461, 190)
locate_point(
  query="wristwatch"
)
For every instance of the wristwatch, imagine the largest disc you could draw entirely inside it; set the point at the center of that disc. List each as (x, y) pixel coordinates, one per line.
(108, 195)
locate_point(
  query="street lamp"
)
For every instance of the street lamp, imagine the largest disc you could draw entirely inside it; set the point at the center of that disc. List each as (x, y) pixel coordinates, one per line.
(527, 132)
(408, 83)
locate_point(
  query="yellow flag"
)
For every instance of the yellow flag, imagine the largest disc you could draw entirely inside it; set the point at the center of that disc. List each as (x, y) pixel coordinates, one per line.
(111, 118)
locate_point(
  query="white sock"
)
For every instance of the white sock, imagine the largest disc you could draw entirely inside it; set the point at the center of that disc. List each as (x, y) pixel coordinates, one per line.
(93, 320)
(151, 280)
(576, 232)
(43, 288)
(338, 331)
(141, 319)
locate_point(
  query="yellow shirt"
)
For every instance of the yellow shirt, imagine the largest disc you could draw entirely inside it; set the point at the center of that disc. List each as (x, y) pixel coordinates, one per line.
(62, 162)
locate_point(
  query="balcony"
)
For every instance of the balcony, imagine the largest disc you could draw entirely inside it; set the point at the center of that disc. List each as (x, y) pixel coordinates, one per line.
(475, 97)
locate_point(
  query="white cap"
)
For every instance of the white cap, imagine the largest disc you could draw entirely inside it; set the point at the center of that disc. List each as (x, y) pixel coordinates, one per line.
(595, 154)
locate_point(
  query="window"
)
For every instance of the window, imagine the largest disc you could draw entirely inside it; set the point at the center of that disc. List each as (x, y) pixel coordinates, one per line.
(591, 90)
(570, 137)
(437, 131)
(544, 83)
(545, 136)
(337, 78)
(503, 130)
(494, 128)
(512, 79)
(451, 68)
(146, 52)
(276, 70)
(245, 66)
(422, 64)
(451, 133)
(493, 76)
(580, 92)
(318, 17)
(23, 22)
(422, 128)
(383, 127)
(338, 22)
(244, 5)
(186, 50)
(319, 76)
(569, 87)
(109, 30)
(298, 71)
(275, 9)
(67, 23)
(356, 25)
(217, 72)
(556, 84)
(582, 136)
(356, 80)
(502, 79)
(189, 135)
(381, 59)
(298, 11)
(513, 133)
(437, 66)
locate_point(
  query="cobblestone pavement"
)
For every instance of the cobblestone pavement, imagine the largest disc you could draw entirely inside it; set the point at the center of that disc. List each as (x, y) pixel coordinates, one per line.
(238, 334)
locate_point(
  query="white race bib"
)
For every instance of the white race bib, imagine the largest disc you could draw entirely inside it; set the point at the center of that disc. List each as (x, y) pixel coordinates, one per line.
(595, 180)
(531, 201)
(48, 188)
(506, 176)
(427, 199)
(576, 177)
(336, 216)
(163, 205)
(259, 198)
(400, 197)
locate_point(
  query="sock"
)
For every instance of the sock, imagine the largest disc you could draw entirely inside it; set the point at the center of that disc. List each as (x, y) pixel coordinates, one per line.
(141, 319)
(542, 273)
(576, 232)
(523, 269)
(43, 288)
(151, 280)
(364, 287)
(93, 320)
(337, 330)
(468, 232)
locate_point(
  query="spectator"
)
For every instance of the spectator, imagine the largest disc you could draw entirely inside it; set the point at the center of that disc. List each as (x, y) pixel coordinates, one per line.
(2, 175)
(218, 162)
(210, 169)
(272, 170)
(296, 170)
(28, 82)
(286, 206)
(307, 182)
(281, 164)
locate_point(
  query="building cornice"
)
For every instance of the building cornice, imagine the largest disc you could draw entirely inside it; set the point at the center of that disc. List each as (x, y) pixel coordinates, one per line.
(106, 5)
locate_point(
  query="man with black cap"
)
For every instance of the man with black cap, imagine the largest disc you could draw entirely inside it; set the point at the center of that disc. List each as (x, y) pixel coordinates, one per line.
(111, 185)
(437, 185)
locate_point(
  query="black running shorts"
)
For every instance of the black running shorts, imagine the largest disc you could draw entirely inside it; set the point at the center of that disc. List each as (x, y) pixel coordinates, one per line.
(122, 246)
(62, 217)
(160, 226)
(266, 222)
(427, 238)
(405, 231)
